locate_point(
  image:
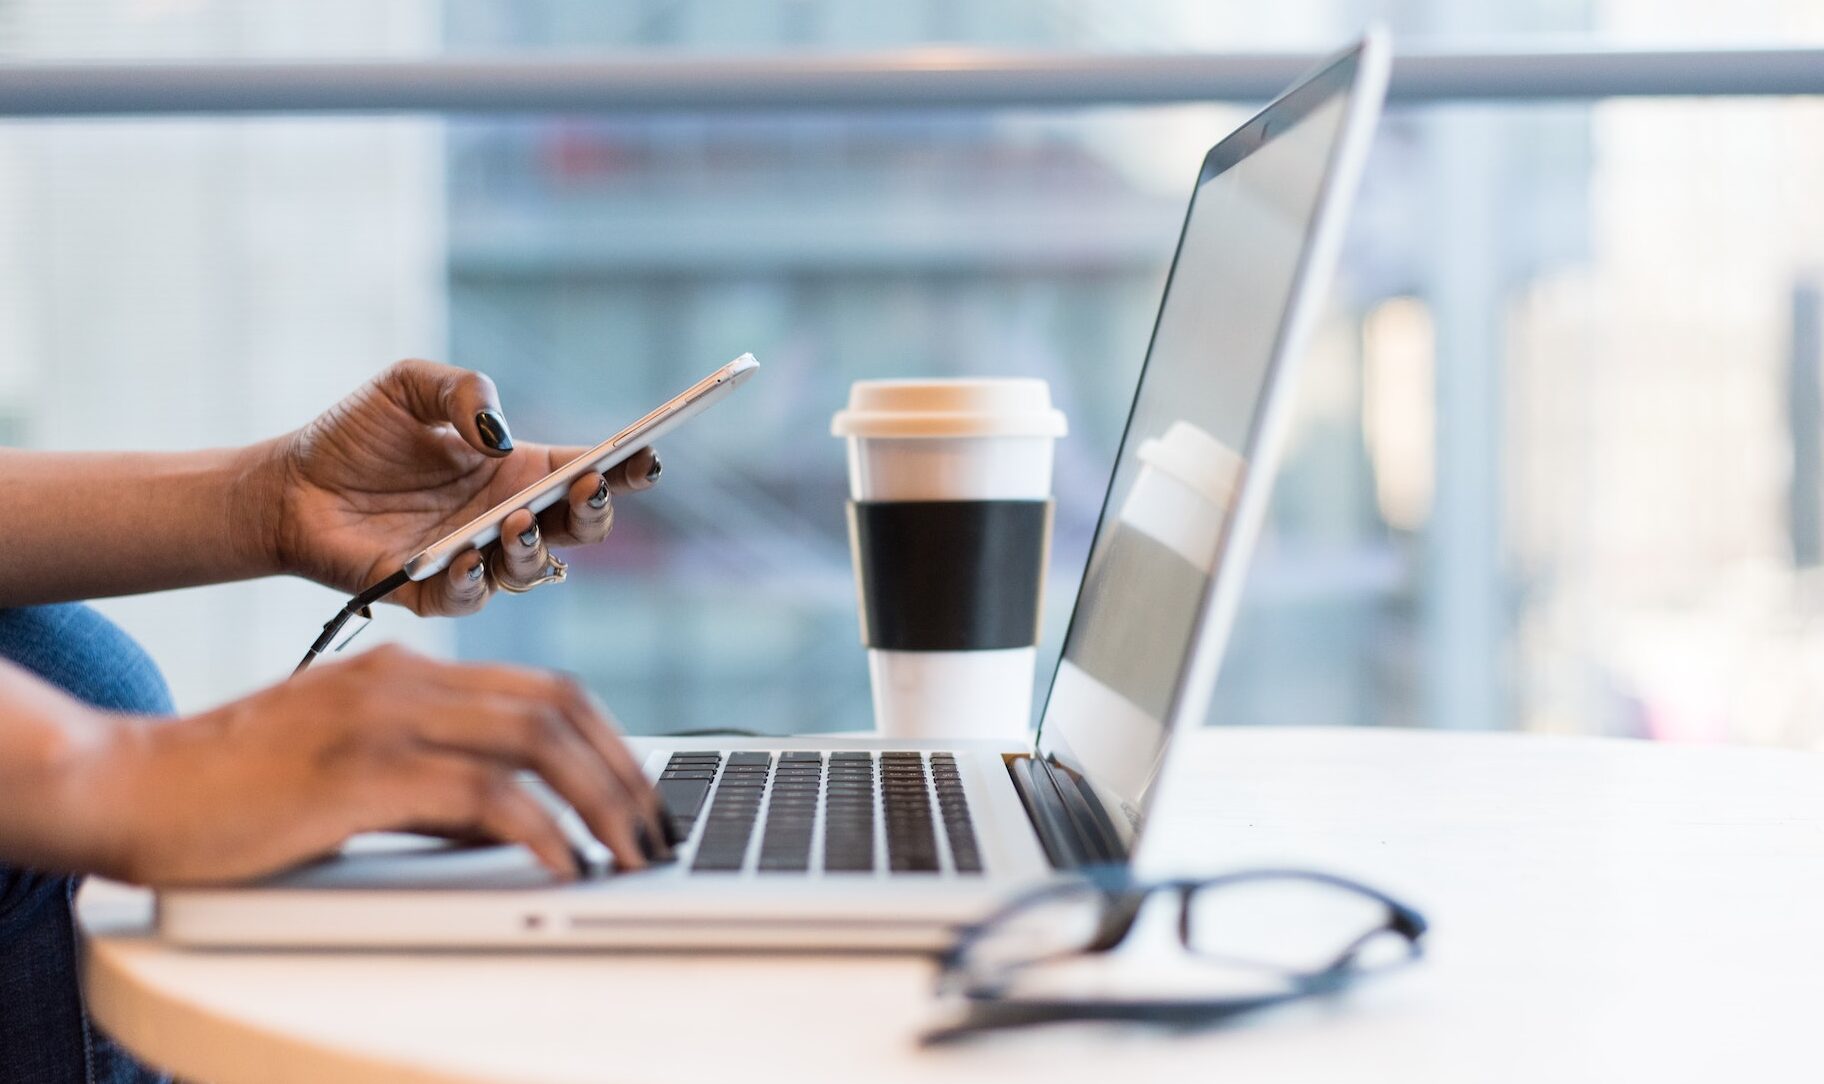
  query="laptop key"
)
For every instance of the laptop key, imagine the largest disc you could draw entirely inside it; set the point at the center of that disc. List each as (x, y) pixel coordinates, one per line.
(683, 797)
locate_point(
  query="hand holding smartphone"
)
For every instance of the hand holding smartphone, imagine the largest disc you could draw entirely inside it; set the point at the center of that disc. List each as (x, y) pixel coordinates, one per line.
(547, 491)
(542, 494)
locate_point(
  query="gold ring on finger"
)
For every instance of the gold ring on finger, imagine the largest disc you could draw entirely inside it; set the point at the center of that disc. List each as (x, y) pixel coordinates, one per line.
(556, 571)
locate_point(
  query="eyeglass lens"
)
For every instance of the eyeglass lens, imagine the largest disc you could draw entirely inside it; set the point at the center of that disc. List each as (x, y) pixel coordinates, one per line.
(1285, 924)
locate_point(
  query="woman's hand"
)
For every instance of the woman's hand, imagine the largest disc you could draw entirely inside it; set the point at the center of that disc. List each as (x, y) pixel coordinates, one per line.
(387, 740)
(415, 453)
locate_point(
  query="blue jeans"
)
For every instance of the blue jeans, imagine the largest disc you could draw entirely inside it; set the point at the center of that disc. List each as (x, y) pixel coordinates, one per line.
(45, 1032)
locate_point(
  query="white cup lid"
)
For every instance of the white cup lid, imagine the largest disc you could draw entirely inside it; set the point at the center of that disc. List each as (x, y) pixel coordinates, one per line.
(1205, 465)
(1004, 407)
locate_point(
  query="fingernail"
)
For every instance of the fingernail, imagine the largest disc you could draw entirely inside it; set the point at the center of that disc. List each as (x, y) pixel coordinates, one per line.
(601, 494)
(658, 468)
(648, 849)
(475, 573)
(529, 537)
(670, 829)
(493, 429)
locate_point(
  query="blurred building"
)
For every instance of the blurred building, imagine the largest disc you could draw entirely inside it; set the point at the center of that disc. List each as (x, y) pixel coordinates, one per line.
(1558, 461)
(618, 258)
(189, 282)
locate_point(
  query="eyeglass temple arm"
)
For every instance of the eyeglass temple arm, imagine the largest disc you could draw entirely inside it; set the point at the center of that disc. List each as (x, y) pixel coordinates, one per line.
(354, 606)
(986, 1016)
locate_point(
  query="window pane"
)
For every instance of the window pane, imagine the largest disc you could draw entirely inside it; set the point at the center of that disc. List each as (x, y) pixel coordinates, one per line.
(1558, 463)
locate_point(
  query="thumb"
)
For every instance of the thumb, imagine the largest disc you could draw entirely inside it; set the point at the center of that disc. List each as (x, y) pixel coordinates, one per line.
(435, 394)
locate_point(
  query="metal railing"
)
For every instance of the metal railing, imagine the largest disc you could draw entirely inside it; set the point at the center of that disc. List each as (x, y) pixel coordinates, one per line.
(927, 78)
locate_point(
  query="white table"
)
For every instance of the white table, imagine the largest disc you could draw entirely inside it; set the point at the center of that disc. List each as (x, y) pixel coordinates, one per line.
(1600, 910)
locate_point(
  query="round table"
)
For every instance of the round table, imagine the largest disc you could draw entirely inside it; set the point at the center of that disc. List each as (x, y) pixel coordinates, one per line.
(1600, 910)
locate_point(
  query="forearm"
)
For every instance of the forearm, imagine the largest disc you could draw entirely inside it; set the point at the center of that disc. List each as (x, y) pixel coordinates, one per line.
(51, 747)
(93, 524)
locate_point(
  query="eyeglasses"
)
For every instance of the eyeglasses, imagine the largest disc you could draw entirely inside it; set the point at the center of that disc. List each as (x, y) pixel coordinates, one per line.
(1250, 940)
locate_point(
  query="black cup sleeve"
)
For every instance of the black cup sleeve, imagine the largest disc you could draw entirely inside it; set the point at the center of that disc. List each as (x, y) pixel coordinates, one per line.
(950, 575)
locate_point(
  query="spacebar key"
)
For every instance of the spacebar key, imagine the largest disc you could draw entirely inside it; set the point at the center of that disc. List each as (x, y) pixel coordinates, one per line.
(683, 798)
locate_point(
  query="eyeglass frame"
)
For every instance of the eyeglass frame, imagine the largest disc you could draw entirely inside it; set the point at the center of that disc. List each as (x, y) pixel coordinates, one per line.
(1123, 899)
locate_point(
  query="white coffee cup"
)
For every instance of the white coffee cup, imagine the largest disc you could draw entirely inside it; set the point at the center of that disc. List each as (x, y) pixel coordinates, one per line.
(960, 471)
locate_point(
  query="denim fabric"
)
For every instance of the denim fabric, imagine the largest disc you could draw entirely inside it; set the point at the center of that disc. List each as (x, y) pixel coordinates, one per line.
(45, 1035)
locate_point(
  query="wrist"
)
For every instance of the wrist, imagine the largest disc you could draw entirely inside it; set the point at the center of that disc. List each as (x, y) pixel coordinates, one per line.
(114, 763)
(259, 495)
(62, 768)
(148, 831)
(145, 831)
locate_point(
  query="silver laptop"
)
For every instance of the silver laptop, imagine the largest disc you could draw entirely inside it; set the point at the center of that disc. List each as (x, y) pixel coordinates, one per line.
(826, 843)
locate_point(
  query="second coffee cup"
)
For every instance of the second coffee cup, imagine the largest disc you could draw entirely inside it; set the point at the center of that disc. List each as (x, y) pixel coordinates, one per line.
(950, 531)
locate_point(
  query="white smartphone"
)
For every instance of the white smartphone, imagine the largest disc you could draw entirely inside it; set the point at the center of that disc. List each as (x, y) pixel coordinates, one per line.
(550, 489)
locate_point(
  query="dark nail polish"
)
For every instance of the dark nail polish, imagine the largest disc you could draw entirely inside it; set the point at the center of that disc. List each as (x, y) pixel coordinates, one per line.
(493, 429)
(658, 468)
(648, 850)
(529, 537)
(601, 494)
(666, 825)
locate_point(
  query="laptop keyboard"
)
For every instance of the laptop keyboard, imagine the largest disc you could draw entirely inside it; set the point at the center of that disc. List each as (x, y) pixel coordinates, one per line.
(804, 812)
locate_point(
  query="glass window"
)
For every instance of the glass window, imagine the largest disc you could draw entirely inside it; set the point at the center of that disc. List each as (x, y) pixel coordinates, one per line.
(1558, 466)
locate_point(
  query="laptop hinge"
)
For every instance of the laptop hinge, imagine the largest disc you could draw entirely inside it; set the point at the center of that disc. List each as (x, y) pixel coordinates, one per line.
(1070, 823)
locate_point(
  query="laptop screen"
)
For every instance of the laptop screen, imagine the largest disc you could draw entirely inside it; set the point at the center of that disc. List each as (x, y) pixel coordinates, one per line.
(1184, 458)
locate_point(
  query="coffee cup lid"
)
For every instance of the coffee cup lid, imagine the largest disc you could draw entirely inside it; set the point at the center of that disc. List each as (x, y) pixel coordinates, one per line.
(1000, 407)
(1202, 463)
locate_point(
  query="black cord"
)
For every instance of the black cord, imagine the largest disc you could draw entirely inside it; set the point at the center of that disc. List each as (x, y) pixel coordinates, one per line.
(356, 606)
